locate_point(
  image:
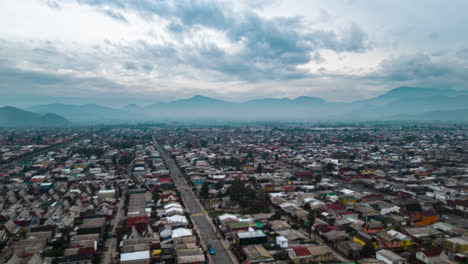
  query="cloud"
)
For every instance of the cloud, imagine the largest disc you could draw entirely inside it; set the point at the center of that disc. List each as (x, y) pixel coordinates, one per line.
(415, 67)
(421, 70)
(178, 48)
(462, 53)
(53, 4)
(268, 48)
(433, 36)
(114, 15)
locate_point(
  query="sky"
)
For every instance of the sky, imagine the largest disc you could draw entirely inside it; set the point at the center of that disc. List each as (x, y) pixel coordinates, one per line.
(117, 52)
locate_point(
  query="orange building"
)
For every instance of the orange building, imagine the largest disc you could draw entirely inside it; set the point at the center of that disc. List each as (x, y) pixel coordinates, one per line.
(424, 218)
(388, 241)
(372, 227)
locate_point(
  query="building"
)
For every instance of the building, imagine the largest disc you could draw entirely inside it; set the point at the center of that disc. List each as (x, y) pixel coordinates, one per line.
(455, 244)
(257, 254)
(310, 254)
(139, 257)
(251, 238)
(389, 257)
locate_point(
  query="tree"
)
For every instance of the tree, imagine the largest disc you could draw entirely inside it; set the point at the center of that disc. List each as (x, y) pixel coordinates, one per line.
(205, 190)
(155, 195)
(307, 206)
(310, 221)
(241, 194)
(125, 160)
(276, 216)
(318, 179)
(188, 145)
(259, 168)
(203, 143)
(252, 180)
(330, 167)
(218, 185)
(368, 250)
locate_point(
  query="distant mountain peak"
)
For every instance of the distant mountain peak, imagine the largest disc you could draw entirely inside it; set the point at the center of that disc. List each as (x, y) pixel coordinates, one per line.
(309, 99)
(199, 99)
(10, 108)
(14, 117)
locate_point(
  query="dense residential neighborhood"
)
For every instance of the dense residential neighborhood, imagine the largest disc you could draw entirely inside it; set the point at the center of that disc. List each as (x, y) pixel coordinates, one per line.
(269, 193)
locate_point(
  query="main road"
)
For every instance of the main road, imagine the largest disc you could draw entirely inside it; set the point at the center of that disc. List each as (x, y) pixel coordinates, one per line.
(207, 233)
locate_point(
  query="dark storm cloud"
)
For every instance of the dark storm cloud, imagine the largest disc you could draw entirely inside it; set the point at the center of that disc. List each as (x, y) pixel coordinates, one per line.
(31, 83)
(419, 70)
(272, 48)
(415, 67)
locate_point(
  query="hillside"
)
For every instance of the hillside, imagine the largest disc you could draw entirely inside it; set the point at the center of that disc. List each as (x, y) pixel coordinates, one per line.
(407, 102)
(15, 117)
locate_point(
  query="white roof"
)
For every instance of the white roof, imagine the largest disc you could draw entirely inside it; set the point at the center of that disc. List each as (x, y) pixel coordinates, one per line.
(281, 238)
(347, 191)
(226, 216)
(181, 232)
(106, 191)
(170, 205)
(175, 209)
(177, 219)
(397, 235)
(256, 233)
(135, 256)
(279, 194)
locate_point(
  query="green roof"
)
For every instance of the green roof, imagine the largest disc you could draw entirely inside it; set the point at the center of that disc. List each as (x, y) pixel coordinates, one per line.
(259, 225)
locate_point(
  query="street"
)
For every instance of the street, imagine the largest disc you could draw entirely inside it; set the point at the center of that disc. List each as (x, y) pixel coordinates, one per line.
(208, 235)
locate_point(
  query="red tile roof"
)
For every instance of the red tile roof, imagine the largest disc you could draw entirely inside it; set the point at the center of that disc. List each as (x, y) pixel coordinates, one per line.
(301, 251)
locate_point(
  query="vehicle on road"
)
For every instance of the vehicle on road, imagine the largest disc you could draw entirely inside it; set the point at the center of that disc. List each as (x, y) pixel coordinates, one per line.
(211, 250)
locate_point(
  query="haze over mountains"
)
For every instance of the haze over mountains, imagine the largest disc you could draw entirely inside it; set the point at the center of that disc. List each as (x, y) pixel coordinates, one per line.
(14, 117)
(404, 103)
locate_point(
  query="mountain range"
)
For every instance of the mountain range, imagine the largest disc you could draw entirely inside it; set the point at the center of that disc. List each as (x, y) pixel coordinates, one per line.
(15, 117)
(404, 103)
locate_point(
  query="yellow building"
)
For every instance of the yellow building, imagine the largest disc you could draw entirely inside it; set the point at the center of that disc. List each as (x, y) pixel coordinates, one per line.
(348, 200)
(374, 243)
(455, 244)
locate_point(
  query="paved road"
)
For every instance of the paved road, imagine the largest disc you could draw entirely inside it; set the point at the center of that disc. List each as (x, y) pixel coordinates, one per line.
(201, 221)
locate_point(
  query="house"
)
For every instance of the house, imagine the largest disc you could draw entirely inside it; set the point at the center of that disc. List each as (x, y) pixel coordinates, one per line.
(432, 256)
(423, 235)
(348, 200)
(424, 218)
(282, 241)
(372, 227)
(251, 238)
(190, 256)
(388, 241)
(349, 248)
(389, 257)
(77, 259)
(455, 244)
(139, 257)
(310, 254)
(393, 240)
(364, 238)
(238, 226)
(257, 254)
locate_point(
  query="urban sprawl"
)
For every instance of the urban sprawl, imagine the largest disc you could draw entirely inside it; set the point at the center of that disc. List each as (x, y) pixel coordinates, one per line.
(373, 193)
